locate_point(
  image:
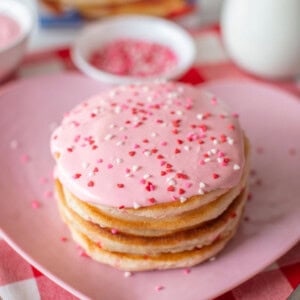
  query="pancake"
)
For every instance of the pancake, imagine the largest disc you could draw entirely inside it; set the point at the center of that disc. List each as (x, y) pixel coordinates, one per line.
(151, 176)
(134, 262)
(203, 235)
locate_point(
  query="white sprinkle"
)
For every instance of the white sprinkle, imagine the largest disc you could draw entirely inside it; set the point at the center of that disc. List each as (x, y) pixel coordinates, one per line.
(215, 142)
(179, 112)
(200, 192)
(145, 88)
(187, 148)
(127, 274)
(136, 118)
(14, 144)
(147, 152)
(119, 143)
(90, 174)
(208, 153)
(112, 94)
(117, 109)
(230, 141)
(200, 116)
(207, 159)
(122, 128)
(146, 176)
(236, 167)
(202, 185)
(136, 205)
(85, 165)
(212, 258)
(119, 160)
(182, 199)
(112, 126)
(128, 175)
(108, 137)
(154, 134)
(213, 151)
(220, 160)
(171, 182)
(135, 168)
(149, 99)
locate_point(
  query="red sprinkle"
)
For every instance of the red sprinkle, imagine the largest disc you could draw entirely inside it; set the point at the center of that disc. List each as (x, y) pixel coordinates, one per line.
(120, 185)
(181, 191)
(77, 175)
(91, 183)
(215, 176)
(171, 188)
(177, 151)
(131, 153)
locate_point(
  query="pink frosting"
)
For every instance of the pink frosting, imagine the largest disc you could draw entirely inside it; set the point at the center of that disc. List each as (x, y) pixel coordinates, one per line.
(143, 144)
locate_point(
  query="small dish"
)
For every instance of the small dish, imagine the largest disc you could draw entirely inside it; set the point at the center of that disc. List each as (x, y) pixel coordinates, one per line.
(12, 54)
(148, 29)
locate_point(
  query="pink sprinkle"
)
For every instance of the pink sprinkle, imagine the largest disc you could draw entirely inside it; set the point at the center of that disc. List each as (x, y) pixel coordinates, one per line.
(77, 138)
(187, 271)
(292, 152)
(100, 160)
(188, 185)
(235, 115)
(109, 166)
(221, 154)
(164, 143)
(213, 101)
(114, 231)
(142, 181)
(25, 158)
(136, 146)
(201, 162)
(63, 239)
(159, 288)
(91, 183)
(35, 204)
(82, 253)
(48, 194)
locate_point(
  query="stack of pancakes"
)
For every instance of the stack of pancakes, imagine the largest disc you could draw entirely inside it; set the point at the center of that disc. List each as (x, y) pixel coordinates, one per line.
(101, 8)
(177, 232)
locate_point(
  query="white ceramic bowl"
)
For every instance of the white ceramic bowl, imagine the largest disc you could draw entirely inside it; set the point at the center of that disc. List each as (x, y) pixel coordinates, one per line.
(136, 27)
(12, 54)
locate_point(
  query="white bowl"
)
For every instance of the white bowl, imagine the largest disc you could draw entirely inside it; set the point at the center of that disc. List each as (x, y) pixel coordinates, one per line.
(12, 54)
(136, 27)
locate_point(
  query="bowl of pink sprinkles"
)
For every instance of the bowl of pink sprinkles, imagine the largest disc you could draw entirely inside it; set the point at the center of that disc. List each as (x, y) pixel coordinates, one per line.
(129, 49)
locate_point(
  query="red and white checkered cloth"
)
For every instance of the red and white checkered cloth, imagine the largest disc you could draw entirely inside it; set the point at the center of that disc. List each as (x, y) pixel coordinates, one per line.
(19, 280)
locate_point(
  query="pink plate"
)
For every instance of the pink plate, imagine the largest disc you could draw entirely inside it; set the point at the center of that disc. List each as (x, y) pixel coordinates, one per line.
(28, 110)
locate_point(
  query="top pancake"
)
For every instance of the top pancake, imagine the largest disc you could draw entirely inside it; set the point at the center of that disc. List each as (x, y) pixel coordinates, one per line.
(147, 144)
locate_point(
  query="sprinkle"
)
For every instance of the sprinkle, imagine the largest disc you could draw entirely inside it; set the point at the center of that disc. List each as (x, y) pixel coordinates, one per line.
(221, 154)
(236, 167)
(200, 116)
(187, 148)
(207, 159)
(114, 231)
(63, 239)
(76, 176)
(171, 188)
(83, 254)
(120, 185)
(230, 141)
(136, 205)
(14, 144)
(152, 200)
(120, 143)
(135, 168)
(201, 162)
(159, 288)
(187, 271)
(164, 143)
(127, 274)
(212, 258)
(201, 192)
(215, 176)
(85, 165)
(215, 142)
(235, 115)
(154, 134)
(109, 137)
(111, 126)
(109, 166)
(182, 199)
(146, 176)
(91, 183)
(35, 204)
(119, 160)
(214, 101)
(181, 191)
(202, 185)
(176, 151)
(147, 152)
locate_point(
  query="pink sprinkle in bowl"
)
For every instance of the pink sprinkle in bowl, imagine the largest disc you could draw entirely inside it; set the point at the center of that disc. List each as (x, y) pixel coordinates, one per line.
(12, 54)
(135, 27)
